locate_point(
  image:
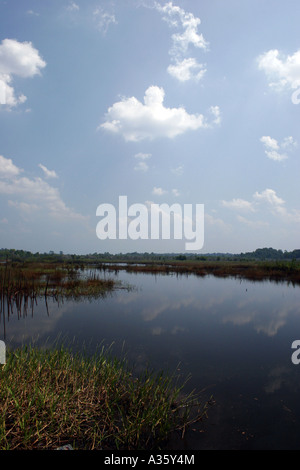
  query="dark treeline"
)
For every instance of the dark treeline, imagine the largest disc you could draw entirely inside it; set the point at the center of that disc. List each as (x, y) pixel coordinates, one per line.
(261, 254)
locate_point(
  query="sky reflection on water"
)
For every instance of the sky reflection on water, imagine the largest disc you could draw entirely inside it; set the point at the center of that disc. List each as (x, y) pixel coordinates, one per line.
(233, 337)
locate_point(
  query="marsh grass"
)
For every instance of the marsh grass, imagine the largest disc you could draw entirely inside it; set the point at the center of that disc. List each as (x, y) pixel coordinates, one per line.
(22, 285)
(286, 271)
(51, 397)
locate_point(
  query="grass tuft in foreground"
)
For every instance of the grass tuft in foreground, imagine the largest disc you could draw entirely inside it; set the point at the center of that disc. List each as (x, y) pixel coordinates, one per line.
(52, 397)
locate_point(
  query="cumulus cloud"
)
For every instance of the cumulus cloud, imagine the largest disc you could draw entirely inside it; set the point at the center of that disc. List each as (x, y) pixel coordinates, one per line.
(269, 142)
(269, 196)
(187, 69)
(264, 200)
(7, 93)
(273, 149)
(179, 18)
(20, 58)
(277, 205)
(187, 24)
(281, 71)
(7, 168)
(17, 59)
(136, 121)
(34, 192)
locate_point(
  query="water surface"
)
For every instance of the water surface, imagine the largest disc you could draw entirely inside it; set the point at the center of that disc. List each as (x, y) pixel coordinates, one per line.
(232, 337)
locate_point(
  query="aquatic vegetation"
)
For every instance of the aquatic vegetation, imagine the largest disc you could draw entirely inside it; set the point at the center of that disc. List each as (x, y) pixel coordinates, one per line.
(22, 285)
(51, 397)
(250, 270)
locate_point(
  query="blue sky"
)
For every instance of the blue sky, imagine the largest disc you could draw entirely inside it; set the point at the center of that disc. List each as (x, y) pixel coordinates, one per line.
(183, 102)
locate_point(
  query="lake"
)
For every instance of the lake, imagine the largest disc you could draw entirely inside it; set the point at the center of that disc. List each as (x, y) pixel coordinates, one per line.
(232, 337)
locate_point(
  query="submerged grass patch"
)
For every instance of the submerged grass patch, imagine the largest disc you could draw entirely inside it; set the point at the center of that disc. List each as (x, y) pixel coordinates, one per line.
(22, 285)
(43, 280)
(52, 397)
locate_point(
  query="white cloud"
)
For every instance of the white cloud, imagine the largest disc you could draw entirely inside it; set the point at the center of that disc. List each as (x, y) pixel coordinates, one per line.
(35, 192)
(216, 222)
(20, 59)
(73, 6)
(272, 147)
(277, 205)
(23, 207)
(7, 168)
(175, 192)
(215, 111)
(158, 191)
(276, 156)
(280, 70)
(251, 223)
(238, 204)
(288, 142)
(48, 173)
(136, 121)
(269, 196)
(266, 200)
(104, 19)
(7, 93)
(178, 171)
(183, 68)
(141, 166)
(178, 18)
(187, 69)
(269, 142)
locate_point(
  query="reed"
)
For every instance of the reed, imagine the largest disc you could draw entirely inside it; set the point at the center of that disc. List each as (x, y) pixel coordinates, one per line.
(51, 397)
(22, 285)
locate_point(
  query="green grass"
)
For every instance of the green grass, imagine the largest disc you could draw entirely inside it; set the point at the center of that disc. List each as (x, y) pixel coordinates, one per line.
(50, 397)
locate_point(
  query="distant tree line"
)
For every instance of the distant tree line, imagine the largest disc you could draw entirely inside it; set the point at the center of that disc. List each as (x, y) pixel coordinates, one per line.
(261, 254)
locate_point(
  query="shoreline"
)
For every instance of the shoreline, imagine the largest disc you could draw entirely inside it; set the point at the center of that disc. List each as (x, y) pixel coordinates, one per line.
(251, 270)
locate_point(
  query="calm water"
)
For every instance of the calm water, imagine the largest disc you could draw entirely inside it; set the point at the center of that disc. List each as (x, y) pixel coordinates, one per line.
(233, 337)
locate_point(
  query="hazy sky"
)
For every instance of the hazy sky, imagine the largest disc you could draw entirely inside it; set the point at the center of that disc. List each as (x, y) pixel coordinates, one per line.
(187, 102)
